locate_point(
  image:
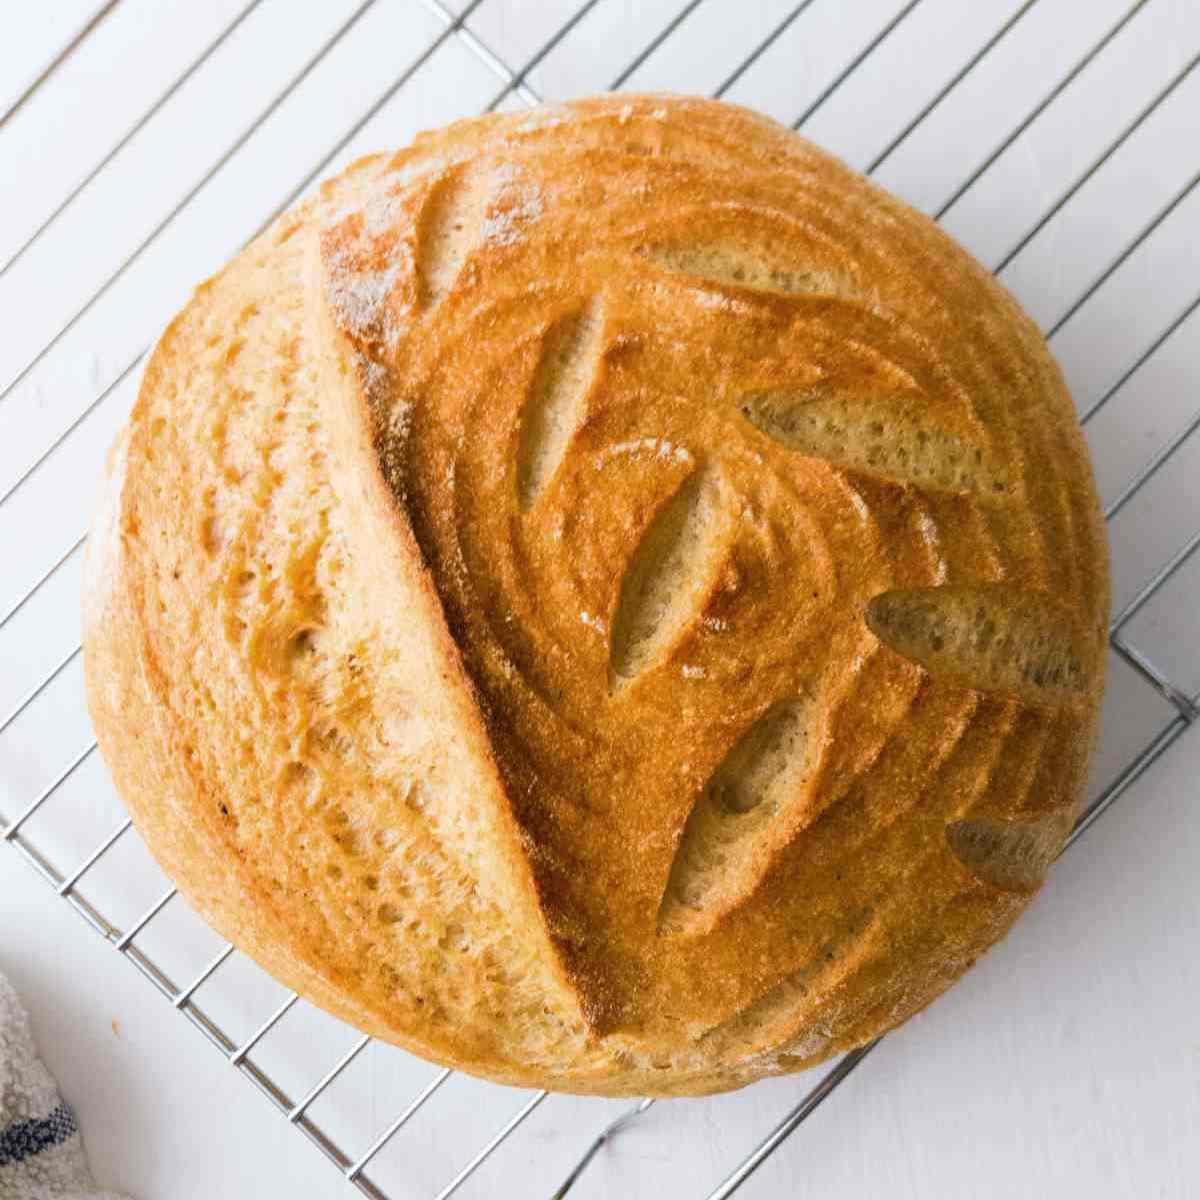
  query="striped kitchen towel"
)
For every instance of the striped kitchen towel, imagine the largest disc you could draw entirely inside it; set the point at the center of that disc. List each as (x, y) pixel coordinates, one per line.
(41, 1154)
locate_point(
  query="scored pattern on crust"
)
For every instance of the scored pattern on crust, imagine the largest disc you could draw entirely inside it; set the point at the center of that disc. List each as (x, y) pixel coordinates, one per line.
(691, 495)
(1012, 855)
(740, 267)
(676, 565)
(448, 228)
(993, 637)
(888, 438)
(762, 777)
(556, 405)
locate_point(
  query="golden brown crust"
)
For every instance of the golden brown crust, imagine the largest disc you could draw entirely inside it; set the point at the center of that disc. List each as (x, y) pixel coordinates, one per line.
(609, 599)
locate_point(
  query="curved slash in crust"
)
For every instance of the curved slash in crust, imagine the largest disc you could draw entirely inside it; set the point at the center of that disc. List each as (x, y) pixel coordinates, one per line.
(449, 228)
(993, 637)
(1013, 856)
(891, 439)
(760, 783)
(673, 568)
(556, 404)
(736, 266)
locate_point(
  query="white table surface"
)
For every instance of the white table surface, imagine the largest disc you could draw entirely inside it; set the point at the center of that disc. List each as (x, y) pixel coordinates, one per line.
(1067, 1064)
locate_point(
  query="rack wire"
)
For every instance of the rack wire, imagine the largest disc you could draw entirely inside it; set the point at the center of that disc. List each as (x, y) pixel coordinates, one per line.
(513, 87)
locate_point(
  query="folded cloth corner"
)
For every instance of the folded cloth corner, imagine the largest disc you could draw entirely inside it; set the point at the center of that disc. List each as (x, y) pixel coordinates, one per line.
(41, 1152)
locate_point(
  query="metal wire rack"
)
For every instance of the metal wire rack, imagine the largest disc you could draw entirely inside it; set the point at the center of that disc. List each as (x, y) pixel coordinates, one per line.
(1154, 708)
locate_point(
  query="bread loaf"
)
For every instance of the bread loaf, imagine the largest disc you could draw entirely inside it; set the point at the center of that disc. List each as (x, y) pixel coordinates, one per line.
(605, 598)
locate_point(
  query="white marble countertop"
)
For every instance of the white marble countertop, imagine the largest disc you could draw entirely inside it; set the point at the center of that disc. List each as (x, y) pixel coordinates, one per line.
(1068, 1062)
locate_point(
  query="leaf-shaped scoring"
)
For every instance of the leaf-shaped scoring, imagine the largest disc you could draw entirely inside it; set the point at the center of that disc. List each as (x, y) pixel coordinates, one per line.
(555, 407)
(759, 785)
(674, 566)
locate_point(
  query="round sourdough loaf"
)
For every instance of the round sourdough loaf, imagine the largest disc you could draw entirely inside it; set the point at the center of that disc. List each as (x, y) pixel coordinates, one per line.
(605, 598)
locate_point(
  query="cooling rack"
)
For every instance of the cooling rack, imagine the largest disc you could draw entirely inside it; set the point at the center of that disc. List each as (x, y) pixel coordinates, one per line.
(1021, 127)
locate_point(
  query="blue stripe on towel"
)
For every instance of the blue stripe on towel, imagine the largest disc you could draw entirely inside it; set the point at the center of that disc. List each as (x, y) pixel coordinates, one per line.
(24, 1139)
